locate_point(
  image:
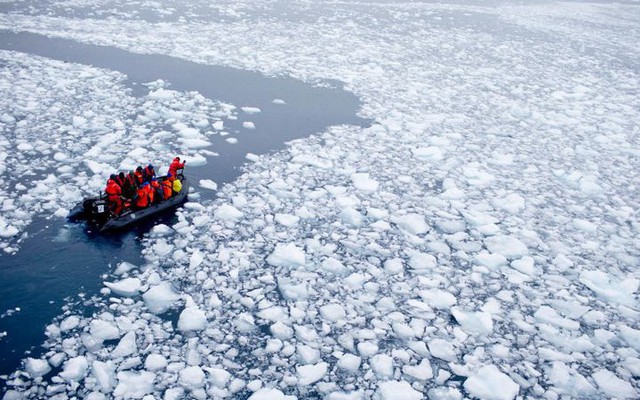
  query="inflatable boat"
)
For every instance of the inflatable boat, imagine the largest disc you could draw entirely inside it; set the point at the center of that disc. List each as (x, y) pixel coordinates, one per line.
(96, 211)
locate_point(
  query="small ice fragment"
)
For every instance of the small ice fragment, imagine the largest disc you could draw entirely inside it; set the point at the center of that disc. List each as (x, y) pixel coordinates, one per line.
(75, 369)
(363, 182)
(126, 346)
(127, 287)
(160, 298)
(333, 312)
(287, 255)
(476, 323)
(396, 390)
(208, 184)
(228, 213)
(134, 385)
(349, 363)
(411, 223)
(155, 362)
(490, 383)
(192, 319)
(420, 372)
(508, 246)
(250, 110)
(124, 266)
(612, 386)
(192, 377)
(309, 374)
(248, 125)
(270, 394)
(37, 367)
(287, 219)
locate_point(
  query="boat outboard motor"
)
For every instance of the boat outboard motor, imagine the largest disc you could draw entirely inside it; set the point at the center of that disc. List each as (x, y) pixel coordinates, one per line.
(99, 210)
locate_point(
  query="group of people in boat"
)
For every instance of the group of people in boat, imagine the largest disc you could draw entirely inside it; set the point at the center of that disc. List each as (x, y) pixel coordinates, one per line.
(141, 188)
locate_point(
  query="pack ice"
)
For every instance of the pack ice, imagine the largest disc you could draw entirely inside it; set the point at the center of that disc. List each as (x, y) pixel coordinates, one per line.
(478, 240)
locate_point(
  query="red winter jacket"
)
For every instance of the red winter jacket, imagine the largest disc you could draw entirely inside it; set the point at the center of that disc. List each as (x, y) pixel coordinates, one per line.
(175, 166)
(113, 190)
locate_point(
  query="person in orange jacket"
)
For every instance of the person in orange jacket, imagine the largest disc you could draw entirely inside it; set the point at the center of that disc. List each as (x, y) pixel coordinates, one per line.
(167, 186)
(139, 176)
(157, 190)
(130, 186)
(151, 193)
(148, 173)
(120, 180)
(114, 192)
(141, 199)
(176, 165)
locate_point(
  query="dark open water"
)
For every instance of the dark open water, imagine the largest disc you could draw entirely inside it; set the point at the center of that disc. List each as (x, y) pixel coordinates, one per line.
(60, 260)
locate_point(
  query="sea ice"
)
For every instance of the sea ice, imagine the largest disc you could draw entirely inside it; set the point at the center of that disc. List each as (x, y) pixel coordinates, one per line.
(134, 385)
(363, 182)
(75, 369)
(333, 312)
(127, 346)
(37, 367)
(208, 184)
(476, 323)
(127, 287)
(155, 362)
(270, 394)
(349, 362)
(309, 374)
(250, 110)
(192, 377)
(396, 390)
(192, 319)
(411, 223)
(490, 383)
(160, 298)
(508, 246)
(287, 255)
(612, 386)
(228, 213)
(420, 372)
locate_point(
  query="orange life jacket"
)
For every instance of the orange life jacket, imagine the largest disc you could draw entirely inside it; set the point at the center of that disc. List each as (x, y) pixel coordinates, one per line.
(113, 190)
(151, 192)
(139, 177)
(142, 197)
(167, 188)
(148, 173)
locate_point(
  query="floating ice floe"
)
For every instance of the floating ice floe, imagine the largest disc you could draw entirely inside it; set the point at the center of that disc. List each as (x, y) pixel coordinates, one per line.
(208, 184)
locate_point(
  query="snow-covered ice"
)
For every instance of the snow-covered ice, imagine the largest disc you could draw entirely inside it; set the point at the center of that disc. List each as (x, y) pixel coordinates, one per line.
(491, 384)
(478, 239)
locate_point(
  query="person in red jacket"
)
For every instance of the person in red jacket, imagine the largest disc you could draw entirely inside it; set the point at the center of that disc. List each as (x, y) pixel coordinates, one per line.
(158, 192)
(114, 192)
(141, 199)
(149, 173)
(139, 176)
(120, 179)
(176, 165)
(167, 186)
(129, 187)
